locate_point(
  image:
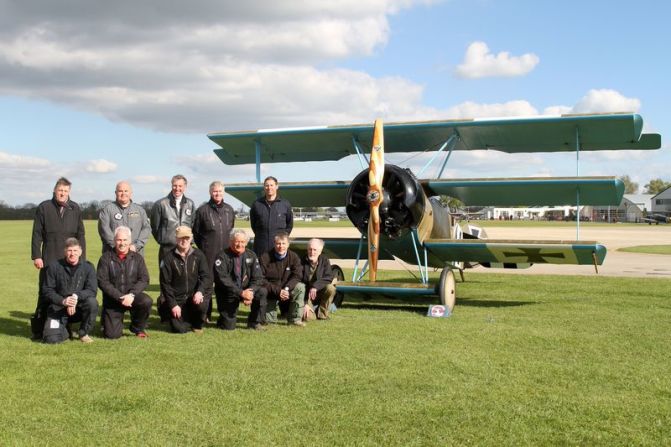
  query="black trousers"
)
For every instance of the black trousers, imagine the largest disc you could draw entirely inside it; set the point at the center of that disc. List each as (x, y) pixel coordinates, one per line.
(228, 303)
(112, 316)
(193, 315)
(55, 330)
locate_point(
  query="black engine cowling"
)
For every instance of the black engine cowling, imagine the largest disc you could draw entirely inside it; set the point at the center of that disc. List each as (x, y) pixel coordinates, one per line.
(402, 207)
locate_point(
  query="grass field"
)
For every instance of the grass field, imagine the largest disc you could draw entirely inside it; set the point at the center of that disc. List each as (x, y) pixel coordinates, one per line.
(524, 360)
(650, 249)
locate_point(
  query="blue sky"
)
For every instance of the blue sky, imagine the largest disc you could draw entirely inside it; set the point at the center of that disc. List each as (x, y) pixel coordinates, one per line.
(101, 92)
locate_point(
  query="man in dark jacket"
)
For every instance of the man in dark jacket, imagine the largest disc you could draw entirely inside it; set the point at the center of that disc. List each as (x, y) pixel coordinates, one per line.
(268, 215)
(186, 285)
(55, 221)
(282, 270)
(122, 277)
(212, 224)
(238, 278)
(169, 213)
(317, 277)
(70, 293)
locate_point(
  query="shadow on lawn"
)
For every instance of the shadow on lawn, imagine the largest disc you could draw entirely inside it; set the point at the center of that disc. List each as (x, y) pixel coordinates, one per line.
(16, 326)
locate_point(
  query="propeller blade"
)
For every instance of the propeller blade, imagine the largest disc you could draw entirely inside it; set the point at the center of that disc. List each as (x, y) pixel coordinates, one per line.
(374, 197)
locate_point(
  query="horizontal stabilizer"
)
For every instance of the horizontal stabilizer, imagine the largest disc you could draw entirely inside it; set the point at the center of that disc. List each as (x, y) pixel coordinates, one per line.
(386, 288)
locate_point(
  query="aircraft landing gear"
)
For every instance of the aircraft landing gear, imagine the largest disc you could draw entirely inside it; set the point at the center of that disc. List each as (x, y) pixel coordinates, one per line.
(447, 289)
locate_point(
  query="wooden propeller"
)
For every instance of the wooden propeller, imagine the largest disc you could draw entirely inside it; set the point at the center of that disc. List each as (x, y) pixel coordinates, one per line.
(374, 197)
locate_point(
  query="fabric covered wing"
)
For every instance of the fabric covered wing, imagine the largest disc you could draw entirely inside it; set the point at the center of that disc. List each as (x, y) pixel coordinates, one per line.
(535, 134)
(299, 194)
(530, 191)
(521, 252)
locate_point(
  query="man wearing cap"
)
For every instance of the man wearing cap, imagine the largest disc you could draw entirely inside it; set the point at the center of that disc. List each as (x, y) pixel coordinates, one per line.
(238, 278)
(317, 277)
(268, 215)
(282, 270)
(186, 285)
(122, 277)
(55, 221)
(169, 213)
(212, 224)
(70, 294)
(123, 212)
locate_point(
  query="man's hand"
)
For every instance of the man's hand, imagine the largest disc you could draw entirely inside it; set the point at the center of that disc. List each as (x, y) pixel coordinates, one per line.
(284, 294)
(312, 294)
(127, 300)
(176, 312)
(247, 296)
(38, 263)
(70, 303)
(198, 297)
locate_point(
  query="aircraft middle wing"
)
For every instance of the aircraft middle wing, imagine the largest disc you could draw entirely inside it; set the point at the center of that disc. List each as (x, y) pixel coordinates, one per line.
(473, 192)
(513, 135)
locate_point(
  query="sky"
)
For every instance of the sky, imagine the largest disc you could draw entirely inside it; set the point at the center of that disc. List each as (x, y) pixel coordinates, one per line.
(125, 90)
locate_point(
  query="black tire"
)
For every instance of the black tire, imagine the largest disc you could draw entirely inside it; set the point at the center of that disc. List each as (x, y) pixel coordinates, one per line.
(338, 276)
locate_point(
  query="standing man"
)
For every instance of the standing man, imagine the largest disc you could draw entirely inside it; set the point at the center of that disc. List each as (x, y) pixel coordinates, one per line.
(123, 212)
(122, 277)
(268, 215)
(238, 278)
(70, 294)
(212, 224)
(317, 277)
(186, 285)
(282, 270)
(169, 213)
(55, 221)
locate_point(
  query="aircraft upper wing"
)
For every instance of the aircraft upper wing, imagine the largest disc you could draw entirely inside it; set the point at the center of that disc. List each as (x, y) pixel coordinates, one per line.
(473, 192)
(512, 135)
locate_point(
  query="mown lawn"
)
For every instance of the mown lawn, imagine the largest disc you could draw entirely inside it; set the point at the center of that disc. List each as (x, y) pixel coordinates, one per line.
(649, 249)
(524, 360)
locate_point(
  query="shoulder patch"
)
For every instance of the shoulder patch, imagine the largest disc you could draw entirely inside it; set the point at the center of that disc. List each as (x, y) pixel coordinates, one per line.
(217, 262)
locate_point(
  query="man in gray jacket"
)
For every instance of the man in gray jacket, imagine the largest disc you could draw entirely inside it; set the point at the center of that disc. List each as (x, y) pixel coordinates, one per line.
(124, 213)
(170, 212)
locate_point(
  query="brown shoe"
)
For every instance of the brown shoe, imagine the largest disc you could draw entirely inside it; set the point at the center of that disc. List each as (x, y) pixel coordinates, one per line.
(298, 323)
(197, 330)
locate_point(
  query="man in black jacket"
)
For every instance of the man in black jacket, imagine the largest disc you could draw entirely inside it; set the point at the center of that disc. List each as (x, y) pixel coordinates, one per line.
(238, 278)
(70, 293)
(122, 277)
(186, 285)
(282, 270)
(212, 224)
(55, 221)
(268, 215)
(317, 277)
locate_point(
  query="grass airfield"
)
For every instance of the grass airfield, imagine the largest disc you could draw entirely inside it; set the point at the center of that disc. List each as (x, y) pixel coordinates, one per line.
(524, 360)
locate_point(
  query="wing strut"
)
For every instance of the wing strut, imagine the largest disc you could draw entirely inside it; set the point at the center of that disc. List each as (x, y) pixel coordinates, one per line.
(451, 142)
(257, 145)
(423, 267)
(359, 152)
(577, 190)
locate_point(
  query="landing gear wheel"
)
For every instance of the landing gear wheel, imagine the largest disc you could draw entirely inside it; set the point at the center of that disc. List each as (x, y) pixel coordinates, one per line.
(447, 289)
(338, 276)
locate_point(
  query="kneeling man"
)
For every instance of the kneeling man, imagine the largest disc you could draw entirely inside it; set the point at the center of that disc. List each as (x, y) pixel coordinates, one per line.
(122, 277)
(70, 292)
(238, 278)
(282, 270)
(317, 277)
(186, 285)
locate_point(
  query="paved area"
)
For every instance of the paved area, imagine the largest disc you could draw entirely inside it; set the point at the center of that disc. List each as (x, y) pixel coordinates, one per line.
(617, 263)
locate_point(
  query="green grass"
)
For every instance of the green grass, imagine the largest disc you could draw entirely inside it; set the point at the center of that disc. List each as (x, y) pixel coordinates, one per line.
(524, 360)
(649, 249)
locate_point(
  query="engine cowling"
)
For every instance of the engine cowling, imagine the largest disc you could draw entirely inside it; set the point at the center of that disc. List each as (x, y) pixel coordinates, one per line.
(403, 206)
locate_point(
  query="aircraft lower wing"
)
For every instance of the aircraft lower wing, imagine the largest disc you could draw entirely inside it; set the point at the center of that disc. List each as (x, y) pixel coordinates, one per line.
(517, 252)
(473, 192)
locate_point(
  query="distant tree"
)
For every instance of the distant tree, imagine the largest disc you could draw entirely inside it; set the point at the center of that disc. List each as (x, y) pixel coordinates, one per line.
(630, 187)
(452, 203)
(656, 186)
(147, 205)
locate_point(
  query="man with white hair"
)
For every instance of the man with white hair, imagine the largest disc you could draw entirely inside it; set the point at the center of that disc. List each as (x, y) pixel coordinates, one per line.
(317, 277)
(123, 212)
(123, 277)
(238, 278)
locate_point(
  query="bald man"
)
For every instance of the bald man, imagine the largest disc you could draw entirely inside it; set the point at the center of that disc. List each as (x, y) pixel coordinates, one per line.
(124, 213)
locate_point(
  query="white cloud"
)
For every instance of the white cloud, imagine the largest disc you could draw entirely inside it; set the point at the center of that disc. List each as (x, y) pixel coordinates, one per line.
(471, 109)
(598, 101)
(12, 161)
(480, 63)
(149, 179)
(101, 166)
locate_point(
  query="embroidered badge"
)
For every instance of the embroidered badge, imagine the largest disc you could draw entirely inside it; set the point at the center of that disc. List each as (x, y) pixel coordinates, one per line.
(117, 216)
(217, 262)
(188, 212)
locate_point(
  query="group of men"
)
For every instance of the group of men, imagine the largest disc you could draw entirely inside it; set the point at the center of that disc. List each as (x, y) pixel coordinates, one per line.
(267, 279)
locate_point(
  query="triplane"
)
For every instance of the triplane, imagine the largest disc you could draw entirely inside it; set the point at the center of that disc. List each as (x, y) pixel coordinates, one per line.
(400, 216)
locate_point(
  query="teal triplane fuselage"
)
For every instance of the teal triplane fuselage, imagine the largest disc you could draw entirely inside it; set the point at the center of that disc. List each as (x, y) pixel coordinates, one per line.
(404, 212)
